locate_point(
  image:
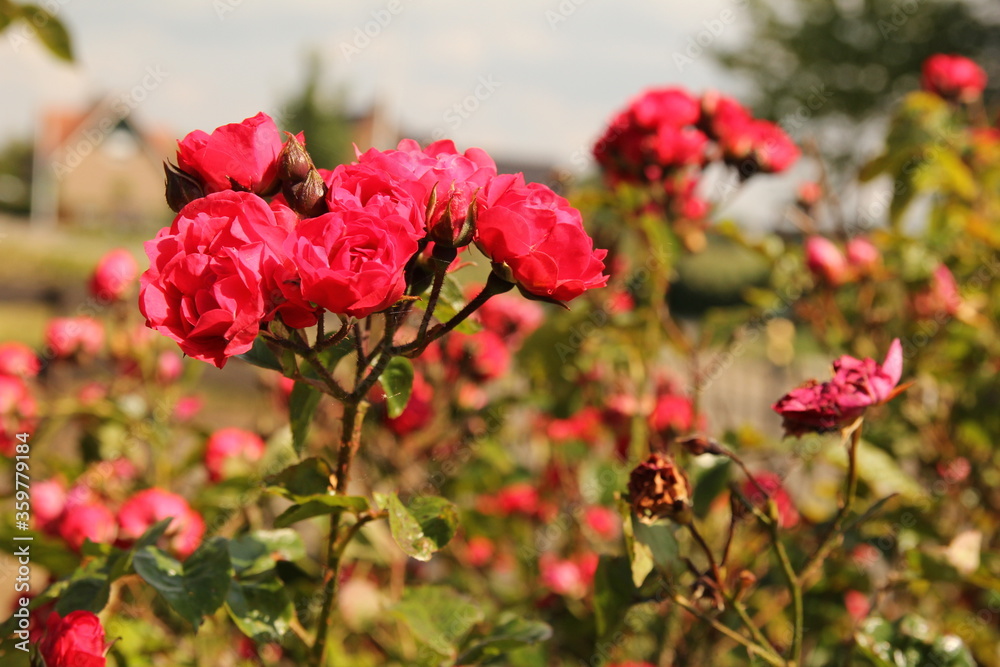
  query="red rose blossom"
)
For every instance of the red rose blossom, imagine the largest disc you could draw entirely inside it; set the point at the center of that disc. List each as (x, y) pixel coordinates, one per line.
(540, 237)
(953, 77)
(244, 154)
(148, 507)
(214, 275)
(76, 640)
(232, 451)
(88, 520)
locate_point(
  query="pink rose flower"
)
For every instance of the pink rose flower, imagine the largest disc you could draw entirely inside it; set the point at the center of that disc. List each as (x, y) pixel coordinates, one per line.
(374, 186)
(953, 77)
(67, 336)
(148, 507)
(481, 356)
(114, 275)
(826, 261)
(48, 500)
(235, 156)
(480, 551)
(941, 297)
(18, 412)
(540, 238)
(87, 520)
(18, 360)
(604, 521)
(862, 255)
(665, 106)
(214, 275)
(76, 640)
(232, 451)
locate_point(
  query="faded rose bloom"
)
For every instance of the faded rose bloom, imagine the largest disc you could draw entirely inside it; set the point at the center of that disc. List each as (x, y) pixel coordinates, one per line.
(18, 360)
(768, 485)
(940, 297)
(540, 239)
(658, 488)
(231, 452)
(76, 640)
(114, 275)
(235, 156)
(89, 520)
(954, 77)
(862, 255)
(18, 412)
(856, 384)
(826, 261)
(67, 336)
(148, 507)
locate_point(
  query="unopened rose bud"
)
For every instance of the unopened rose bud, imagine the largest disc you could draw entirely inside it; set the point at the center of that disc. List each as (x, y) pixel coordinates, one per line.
(659, 489)
(699, 444)
(457, 224)
(307, 197)
(181, 188)
(294, 163)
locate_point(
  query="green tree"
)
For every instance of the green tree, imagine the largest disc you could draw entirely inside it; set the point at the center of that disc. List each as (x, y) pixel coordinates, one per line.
(15, 177)
(321, 115)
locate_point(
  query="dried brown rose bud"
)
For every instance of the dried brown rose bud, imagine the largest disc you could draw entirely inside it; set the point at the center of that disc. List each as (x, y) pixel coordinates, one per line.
(699, 444)
(659, 489)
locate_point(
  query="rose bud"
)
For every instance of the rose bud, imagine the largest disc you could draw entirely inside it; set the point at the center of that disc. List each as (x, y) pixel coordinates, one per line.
(18, 360)
(862, 255)
(294, 163)
(67, 336)
(307, 197)
(953, 77)
(114, 275)
(148, 507)
(825, 261)
(230, 452)
(77, 640)
(181, 188)
(659, 489)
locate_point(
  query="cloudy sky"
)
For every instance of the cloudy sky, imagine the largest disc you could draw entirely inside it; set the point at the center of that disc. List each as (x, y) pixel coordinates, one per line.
(521, 78)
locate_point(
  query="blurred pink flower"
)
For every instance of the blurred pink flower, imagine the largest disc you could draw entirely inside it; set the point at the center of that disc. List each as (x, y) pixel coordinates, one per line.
(148, 507)
(231, 452)
(18, 360)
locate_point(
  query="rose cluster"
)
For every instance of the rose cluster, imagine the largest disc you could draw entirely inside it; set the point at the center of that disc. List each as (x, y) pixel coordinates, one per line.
(953, 77)
(666, 136)
(817, 407)
(18, 407)
(261, 233)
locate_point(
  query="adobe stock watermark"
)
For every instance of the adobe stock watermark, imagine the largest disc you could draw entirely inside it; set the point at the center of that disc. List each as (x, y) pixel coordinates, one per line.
(712, 29)
(464, 108)
(562, 12)
(120, 108)
(364, 34)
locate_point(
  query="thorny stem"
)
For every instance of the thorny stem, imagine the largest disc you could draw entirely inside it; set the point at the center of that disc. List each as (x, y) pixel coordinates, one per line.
(794, 588)
(440, 271)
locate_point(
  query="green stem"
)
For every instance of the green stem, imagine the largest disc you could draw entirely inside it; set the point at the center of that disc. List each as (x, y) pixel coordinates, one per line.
(796, 590)
(752, 647)
(440, 271)
(350, 439)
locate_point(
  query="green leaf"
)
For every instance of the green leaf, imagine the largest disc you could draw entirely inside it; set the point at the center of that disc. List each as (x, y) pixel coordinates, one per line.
(301, 408)
(309, 477)
(261, 355)
(312, 506)
(450, 301)
(397, 380)
(708, 486)
(261, 608)
(614, 593)
(50, 30)
(881, 471)
(512, 632)
(438, 616)
(195, 588)
(424, 527)
(257, 552)
(88, 592)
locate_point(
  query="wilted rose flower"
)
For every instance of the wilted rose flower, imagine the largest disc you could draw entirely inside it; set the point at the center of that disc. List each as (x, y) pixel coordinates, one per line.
(540, 238)
(826, 261)
(954, 77)
(235, 156)
(66, 336)
(114, 275)
(88, 520)
(76, 640)
(767, 485)
(148, 507)
(856, 384)
(659, 489)
(18, 360)
(231, 452)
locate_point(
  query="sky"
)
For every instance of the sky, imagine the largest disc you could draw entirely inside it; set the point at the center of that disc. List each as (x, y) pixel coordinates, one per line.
(524, 79)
